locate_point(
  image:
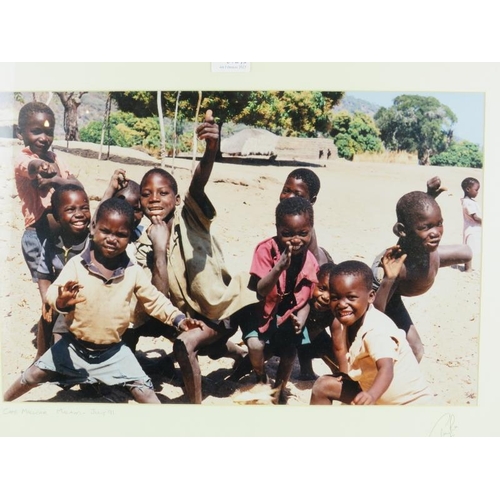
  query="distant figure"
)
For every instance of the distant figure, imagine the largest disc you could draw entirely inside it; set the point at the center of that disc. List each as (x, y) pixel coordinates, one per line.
(328, 154)
(320, 154)
(472, 220)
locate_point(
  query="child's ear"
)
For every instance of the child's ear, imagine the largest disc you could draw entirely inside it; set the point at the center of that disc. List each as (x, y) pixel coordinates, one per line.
(92, 228)
(313, 200)
(399, 230)
(18, 134)
(177, 200)
(371, 297)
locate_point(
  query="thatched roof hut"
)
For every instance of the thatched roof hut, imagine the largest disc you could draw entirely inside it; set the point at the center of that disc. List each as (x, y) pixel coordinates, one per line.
(250, 141)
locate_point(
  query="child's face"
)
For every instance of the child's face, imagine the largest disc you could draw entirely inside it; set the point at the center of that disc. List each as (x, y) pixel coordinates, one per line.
(349, 298)
(74, 212)
(135, 202)
(321, 293)
(295, 187)
(297, 230)
(111, 235)
(38, 133)
(472, 191)
(158, 197)
(427, 229)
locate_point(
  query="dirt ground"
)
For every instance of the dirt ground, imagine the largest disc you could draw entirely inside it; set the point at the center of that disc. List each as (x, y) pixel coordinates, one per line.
(354, 216)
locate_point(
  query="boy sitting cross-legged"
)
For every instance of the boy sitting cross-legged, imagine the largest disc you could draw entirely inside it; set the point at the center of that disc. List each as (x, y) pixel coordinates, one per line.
(94, 291)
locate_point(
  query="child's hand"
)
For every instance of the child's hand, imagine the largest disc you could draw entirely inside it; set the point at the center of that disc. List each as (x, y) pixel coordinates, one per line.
(190, 324)
(159, 233)
(47, 312)
(286, 258)
(118, 180)
(363, 398)
(298, 325)
(41, 168)
(68, 295)
(434, 187)
(392, 262)
(209, 131)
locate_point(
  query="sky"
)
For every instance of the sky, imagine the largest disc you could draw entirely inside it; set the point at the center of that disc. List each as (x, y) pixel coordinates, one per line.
(467, 106)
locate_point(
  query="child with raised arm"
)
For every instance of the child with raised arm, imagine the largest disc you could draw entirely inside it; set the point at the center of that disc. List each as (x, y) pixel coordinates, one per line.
(472, 220)
(93, 291)
(409, 268)
(37, 172)
(283, 272)
(379, 367)
(188, 266)
(71, 210)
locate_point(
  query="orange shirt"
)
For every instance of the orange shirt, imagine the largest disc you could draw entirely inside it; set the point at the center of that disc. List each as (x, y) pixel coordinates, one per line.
(34, 202)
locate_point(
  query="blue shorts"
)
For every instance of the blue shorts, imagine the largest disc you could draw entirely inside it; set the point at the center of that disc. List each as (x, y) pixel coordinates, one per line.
(31, 245)
(73, 363)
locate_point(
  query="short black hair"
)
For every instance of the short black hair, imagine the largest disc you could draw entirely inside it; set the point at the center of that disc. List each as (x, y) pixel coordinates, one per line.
(469, 182)
(326, 269)
(119, 206)
(354, 268)
(294, 206)
(310, 179)
(30, 109)
(163, 173)
(411, 205)
(55, 200)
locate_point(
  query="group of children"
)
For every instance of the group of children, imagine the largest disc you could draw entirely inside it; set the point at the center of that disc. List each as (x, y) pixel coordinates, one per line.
(105, 282)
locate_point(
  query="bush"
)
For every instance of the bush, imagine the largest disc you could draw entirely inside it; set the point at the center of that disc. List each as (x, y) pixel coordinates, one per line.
(460, 154)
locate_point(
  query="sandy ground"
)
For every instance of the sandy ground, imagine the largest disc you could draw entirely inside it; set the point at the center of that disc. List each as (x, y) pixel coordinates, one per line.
(354, 215)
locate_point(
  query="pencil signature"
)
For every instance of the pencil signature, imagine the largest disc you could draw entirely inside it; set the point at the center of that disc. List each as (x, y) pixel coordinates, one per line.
(445, 426)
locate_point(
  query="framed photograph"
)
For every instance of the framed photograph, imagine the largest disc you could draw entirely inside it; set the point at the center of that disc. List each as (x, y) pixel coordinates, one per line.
(272, 123)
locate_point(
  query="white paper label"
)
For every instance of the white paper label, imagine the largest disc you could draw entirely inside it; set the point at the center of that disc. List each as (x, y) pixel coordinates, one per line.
(231, 67)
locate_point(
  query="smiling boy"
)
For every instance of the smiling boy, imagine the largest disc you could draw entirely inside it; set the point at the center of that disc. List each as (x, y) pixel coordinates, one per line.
(379, 367)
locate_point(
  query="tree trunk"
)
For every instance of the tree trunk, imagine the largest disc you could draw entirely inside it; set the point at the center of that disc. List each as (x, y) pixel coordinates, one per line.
(218, 156)
(195, 137)
(175, 129)
(71, 101)
(162, 129)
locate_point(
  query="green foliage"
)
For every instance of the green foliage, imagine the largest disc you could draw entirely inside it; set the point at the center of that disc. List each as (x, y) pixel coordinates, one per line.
(460, 154)
(354, 134)
(286, 113)
(127, 130)
(416, 124)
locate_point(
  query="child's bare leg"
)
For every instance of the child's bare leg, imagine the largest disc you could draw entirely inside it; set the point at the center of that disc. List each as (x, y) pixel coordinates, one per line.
(287, 357)
(30, 378)
(257, 358)
(415, 342)
(305, 362)
(325, 390)
(186, 348)
(43, 336)
(143, 394)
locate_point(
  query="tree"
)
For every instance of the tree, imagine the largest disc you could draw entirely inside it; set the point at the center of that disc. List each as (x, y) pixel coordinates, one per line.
(354, 134)
(287, 113)
(416, 124)
(460, 154)
(71, 101)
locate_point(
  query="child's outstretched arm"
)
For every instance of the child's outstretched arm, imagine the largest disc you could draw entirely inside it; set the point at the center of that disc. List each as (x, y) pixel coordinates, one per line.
(268, 282)
(118, 181)
(339, 343)
(450, 255)
(208, 131)
(392, 264)
(385, 374)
